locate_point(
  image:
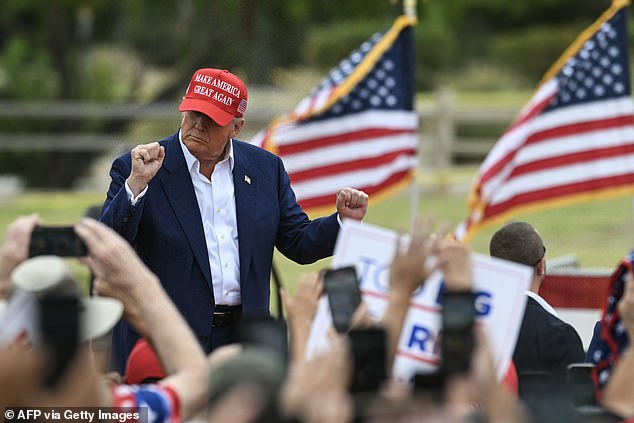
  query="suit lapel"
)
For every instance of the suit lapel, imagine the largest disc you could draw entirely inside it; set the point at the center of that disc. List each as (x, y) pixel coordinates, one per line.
(245, 185)
(179, 190)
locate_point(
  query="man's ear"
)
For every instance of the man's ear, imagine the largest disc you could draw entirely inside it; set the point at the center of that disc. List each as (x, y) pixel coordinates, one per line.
(541, 267)
(237, 127)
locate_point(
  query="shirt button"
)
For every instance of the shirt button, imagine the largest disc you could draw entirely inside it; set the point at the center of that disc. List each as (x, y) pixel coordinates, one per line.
(226, 264)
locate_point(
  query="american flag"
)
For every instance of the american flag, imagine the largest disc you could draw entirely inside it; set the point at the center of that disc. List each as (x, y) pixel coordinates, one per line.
(573, 141)
(613, 339)
(357, 128)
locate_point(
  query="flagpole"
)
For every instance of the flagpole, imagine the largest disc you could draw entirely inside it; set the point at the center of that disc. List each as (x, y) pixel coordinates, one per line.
(409, 10)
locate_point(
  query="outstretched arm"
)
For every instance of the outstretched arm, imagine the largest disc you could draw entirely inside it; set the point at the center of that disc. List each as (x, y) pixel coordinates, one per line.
(408, 271)
(301, 310)
(119, 273)
(479, 385)
(15, 248)
(130, 176)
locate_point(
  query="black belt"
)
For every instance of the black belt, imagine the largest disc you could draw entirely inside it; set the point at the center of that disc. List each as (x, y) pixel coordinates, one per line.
(226, 315)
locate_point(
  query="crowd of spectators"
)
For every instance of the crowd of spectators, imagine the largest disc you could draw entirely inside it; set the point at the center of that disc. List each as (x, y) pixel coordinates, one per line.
(169, 374)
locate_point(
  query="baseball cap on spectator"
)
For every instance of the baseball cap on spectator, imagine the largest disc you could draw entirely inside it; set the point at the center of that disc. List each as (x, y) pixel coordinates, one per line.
(143, 365)
(43, 275)
(217, 93)
(255, 366)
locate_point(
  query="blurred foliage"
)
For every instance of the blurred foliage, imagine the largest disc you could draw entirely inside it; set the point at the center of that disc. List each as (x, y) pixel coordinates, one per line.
(327, 45)
(540, 47)
(27, 67)
(142, 50)
(79, 48)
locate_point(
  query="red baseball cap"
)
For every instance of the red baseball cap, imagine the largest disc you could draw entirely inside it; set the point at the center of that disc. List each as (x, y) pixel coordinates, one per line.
(143, 365)
(217, 93)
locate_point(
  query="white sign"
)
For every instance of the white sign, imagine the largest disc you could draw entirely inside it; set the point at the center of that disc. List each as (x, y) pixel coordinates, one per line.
(500, 297)
(19, 320)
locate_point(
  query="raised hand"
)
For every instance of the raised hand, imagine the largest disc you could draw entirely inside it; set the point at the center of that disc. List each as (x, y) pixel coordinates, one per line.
(352, 203)
(15, 248)
(409, 268)
(147, 159)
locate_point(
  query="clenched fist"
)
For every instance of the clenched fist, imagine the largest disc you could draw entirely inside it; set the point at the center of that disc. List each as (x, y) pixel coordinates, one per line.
(147, 159)
(352, 203)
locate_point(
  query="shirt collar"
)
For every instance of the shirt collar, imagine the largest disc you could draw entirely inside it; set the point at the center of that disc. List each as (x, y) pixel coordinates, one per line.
(192, 161)
(542, 302)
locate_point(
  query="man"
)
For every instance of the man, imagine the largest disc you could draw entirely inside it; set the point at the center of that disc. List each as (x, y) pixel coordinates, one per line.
(204, 212)
(546, 345)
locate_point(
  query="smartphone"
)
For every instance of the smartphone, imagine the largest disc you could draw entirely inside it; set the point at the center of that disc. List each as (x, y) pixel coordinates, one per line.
(581, 385)
(265, 331)
(457, 339)
(59, 241)
(59, 329)
(342, 288)
(431, 384)
(368, 348)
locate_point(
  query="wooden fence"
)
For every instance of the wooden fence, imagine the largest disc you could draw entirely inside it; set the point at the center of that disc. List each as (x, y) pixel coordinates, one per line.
(450, 133)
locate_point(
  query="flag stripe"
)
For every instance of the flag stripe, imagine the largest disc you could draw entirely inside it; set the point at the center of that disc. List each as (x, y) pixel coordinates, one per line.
(348, 152)
(505, 149)
(292, 133)
(563, 175)
(580, 127)
(590, 185)
(357, 178)
(513, 140)
(357, 127)
(321, 200)
(492, 181)
(543, 98)
(342, 168)
(566, 159)
(575, 144)
(319, 143)
(321, 99)
(576, 139)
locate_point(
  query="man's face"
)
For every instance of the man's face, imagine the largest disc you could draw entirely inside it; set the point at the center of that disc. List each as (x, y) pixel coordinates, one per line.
(204, 138)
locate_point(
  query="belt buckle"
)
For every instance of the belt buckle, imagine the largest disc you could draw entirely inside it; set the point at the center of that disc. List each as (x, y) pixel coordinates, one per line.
(221, 319)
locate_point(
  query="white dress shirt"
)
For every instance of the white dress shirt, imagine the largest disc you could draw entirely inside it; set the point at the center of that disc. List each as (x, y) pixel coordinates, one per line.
(216, 202)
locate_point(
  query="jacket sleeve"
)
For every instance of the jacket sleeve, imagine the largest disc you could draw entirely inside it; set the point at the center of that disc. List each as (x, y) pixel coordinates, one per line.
(299, 238)
(118, 212)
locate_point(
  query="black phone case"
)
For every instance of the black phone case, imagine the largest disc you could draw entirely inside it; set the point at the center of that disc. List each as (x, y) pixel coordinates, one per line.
(342, 287)
(61, 241)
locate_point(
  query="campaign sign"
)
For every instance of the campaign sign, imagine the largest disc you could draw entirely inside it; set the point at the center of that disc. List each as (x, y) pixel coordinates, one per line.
(499, 288)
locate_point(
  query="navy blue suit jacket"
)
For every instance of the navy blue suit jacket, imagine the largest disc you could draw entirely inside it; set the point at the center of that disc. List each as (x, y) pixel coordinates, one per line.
(165, 229)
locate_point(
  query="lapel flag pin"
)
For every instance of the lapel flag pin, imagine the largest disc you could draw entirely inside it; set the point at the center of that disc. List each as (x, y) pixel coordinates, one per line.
(247, 179)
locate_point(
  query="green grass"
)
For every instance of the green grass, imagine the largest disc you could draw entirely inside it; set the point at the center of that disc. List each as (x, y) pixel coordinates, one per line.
(54, 208)
(599, 233)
